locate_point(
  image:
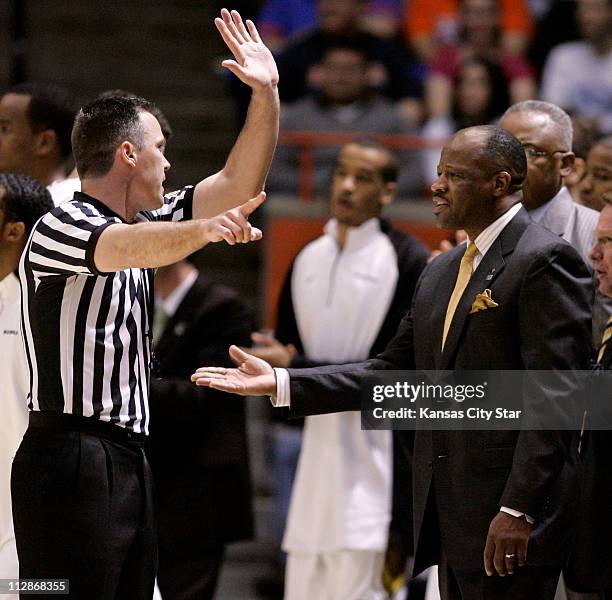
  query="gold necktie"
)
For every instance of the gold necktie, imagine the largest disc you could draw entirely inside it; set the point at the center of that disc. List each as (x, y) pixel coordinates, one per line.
(463, 277)
(605, 338)
(160, 319)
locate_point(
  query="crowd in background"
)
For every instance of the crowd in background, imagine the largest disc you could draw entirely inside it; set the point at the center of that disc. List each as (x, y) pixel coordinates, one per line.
(430, 68)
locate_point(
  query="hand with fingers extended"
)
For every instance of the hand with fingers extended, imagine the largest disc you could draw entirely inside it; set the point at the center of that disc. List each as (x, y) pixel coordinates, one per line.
(233, 225)
(253, 377)
(254, 63)
(506, 546)
(271, 350)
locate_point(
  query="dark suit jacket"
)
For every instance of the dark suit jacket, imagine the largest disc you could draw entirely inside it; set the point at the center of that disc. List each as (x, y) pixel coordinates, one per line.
(198, 440)
(543, 289)
(590, 564)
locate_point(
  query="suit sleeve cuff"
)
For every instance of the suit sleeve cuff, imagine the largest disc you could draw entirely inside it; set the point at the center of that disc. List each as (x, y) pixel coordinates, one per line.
(517, 514)
(283, 390)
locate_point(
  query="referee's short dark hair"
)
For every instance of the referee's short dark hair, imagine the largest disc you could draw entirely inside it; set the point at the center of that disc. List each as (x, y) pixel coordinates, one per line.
(23, 199)
(101, 126)
(50, 107)
(154, 110)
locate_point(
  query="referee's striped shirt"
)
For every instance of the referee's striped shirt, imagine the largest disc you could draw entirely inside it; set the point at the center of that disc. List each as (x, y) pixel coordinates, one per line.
(87, 334)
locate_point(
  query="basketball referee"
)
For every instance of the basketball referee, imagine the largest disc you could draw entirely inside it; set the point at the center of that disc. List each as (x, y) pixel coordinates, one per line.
(81, 485)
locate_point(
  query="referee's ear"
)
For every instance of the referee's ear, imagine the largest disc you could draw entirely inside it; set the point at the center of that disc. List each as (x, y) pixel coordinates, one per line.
(127, 153)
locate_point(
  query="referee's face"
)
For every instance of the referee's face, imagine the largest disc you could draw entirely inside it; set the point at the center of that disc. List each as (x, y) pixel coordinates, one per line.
(151, 165)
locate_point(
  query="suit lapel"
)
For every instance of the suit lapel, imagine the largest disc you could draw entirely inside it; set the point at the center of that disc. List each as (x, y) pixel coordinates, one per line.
(489, 268)
(560, 216)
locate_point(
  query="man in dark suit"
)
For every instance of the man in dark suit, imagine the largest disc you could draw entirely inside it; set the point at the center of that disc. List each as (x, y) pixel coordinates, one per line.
(198, 447)
(590, 567)
(507, 495)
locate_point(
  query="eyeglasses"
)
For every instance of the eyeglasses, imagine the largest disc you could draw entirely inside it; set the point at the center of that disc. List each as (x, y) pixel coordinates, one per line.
(533, 153)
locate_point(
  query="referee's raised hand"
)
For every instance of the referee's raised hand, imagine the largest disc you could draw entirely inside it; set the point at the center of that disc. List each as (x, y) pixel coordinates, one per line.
(253, 62)
(233, 225)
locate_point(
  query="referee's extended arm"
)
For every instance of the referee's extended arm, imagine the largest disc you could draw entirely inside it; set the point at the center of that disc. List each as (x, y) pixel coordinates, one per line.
(247, 165)
(148, 245)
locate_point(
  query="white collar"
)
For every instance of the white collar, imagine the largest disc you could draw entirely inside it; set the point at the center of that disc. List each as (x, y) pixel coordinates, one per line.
(173, 301)
(356, 237)
(487, 236)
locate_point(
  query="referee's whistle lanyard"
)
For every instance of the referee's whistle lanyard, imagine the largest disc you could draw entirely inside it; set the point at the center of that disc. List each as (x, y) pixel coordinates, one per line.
(154, 364)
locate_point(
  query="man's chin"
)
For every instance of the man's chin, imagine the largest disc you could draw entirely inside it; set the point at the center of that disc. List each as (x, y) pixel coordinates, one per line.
(445, 223)
(605, 286)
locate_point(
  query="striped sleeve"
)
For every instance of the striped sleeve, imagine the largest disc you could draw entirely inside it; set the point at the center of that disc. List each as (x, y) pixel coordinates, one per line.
(177, 207)
(63, 242)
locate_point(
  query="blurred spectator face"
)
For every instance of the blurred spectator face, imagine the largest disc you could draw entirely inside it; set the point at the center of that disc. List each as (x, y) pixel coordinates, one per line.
(601, 253)
(548, 161)
(473, 91)
(17, 143)
(359, 190)
(338, 16)
(480, 20)
(595, 19)
(598, 179)
(343, 76)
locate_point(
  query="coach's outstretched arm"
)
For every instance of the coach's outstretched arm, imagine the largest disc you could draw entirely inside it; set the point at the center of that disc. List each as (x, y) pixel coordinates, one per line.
(150, 245)
(253, 377)
(245, 171)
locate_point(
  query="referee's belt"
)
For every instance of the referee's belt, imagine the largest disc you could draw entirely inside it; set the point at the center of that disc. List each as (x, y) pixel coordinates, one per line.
(52, 421)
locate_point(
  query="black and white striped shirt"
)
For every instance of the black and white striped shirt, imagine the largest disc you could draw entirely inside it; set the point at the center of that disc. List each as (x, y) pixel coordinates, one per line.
(87, 333)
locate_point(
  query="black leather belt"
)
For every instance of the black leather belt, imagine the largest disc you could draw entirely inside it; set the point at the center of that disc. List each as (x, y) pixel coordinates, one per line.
(51, 421)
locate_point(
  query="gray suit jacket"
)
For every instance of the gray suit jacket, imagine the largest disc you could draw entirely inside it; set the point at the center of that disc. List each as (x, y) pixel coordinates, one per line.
(576, 225)
(573, 222)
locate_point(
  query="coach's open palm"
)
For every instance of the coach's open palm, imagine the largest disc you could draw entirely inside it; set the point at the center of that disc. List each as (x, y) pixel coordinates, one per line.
(254, 64)
(253, 377)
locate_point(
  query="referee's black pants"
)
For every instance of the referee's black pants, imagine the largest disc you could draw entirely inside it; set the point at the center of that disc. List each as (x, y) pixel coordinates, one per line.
(82, 508)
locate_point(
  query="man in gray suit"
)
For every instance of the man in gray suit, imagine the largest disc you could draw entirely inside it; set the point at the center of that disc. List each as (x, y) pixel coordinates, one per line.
(545, 130)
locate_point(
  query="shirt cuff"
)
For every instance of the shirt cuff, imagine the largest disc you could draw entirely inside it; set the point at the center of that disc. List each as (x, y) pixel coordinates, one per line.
(283, 390)
(517, 514)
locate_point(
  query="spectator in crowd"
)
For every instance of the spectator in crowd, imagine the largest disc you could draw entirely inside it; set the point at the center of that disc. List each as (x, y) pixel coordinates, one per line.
(396, 74)
(480, 98)
(344, 103)
(342, 301)
(583, 139)
(35, 125)
(282, 20)
(598, 178)
(198, 445)
(555, 23)
(432, 24)
(479, 22)
(578, 75)
(22, 202)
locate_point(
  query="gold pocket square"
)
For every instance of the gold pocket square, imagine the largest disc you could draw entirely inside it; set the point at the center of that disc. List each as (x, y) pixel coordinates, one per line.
(483, 301)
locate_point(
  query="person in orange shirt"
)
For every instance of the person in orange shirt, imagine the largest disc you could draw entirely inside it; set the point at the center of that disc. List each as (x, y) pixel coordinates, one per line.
(430, 23)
